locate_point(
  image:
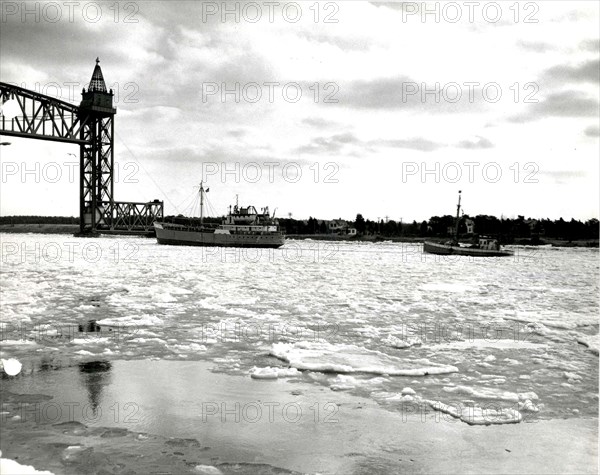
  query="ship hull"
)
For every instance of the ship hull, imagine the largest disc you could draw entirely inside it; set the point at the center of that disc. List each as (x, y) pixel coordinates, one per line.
(447, 250)
(180, 237)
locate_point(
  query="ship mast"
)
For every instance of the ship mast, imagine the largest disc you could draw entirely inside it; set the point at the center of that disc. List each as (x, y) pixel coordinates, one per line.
(201, 203)
(457, 216)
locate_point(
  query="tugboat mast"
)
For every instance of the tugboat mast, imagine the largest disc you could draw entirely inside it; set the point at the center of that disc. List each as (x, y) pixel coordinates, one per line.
(457, 216)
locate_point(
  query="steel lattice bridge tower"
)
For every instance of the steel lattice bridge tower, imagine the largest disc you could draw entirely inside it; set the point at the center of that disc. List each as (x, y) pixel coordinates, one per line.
(91, 126)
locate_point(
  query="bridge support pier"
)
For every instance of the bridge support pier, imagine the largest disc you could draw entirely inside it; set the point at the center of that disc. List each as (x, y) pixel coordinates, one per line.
(96, 190)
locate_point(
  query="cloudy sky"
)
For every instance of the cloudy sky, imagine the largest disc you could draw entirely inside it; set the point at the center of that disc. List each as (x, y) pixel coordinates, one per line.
(341, 107)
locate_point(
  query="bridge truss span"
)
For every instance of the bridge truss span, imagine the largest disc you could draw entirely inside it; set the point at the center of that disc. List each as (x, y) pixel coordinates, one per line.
(40, 117)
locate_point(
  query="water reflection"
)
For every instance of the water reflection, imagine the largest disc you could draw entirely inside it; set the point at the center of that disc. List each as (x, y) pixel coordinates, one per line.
(95, 376)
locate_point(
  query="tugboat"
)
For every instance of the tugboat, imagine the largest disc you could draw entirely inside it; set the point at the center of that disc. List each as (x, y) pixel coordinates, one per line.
(484, 246)
(242, 227)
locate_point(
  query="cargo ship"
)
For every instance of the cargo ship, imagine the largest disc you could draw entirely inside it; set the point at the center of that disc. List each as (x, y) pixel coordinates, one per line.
(242, 227)
(484, 246)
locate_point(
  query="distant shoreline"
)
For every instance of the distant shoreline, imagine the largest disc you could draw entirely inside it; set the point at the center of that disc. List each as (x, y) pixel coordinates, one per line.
(418, 239)
(39, 228)
(74, 228)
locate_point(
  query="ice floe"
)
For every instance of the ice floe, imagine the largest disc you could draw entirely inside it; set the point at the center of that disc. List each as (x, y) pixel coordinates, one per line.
(132, 321)
(476, 415)
(343, 382)
(340, 358)
(572, 377)
(11, 366)
(18, 342)
(491, 393)
(273, 373)
(592, 342)
(11, 467)
(207, 470)
(396, 342)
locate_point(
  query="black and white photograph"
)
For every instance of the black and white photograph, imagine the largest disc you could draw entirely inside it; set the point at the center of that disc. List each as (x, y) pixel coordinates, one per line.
(308, 237)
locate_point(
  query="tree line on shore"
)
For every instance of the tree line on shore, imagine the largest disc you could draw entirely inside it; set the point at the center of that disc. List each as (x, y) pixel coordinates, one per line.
(443, 226)
(437, 226)
(38, 220)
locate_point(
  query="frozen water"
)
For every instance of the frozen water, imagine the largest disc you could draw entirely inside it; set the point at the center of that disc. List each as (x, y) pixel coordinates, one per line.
(367, 318)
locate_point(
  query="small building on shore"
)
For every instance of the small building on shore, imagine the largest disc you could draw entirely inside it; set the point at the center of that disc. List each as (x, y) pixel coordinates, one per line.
(337, 226)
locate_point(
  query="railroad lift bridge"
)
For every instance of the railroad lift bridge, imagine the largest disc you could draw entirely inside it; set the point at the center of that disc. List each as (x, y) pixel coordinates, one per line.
(90, 125)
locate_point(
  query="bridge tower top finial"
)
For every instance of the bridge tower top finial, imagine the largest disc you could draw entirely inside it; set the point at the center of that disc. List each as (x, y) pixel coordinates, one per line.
(97, 99)
(97, 83)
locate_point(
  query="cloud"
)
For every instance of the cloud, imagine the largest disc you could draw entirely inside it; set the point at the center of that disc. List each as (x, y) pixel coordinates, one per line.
(577, 16)
(592, 131)
(356, 43)
(591, 45)
(477, 144)
(350, 143)
(332, 144)
(347, 141)
(415, 143)
(383, 93)
(568, 103)
(588, 71)
(393, 5)
(402, 92)
(536, 46)
(65, 51)
(221, 154)
(563, 176)
(318, 122)
(237, 133)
